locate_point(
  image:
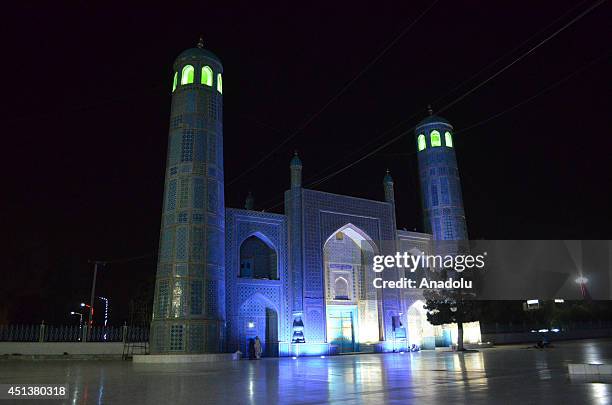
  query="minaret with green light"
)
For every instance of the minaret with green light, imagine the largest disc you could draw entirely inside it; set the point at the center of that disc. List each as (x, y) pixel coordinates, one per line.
(444, 216)
(189, 304)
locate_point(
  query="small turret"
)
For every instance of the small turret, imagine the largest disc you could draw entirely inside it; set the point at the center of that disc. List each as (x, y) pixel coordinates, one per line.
(249, 202)
(296, 171)
(388, 186)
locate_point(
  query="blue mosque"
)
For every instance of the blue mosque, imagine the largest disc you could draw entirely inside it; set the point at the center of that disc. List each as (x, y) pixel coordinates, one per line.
(300, 281)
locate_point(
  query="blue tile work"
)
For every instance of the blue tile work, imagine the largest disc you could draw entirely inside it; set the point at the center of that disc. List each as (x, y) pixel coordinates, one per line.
(203, 303)
(444, 216)
(251, 301)
(293, 208)
(323, 214)
(189, 309)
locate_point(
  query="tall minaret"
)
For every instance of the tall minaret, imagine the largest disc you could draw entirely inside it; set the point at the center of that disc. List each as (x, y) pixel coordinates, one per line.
(293, 208)
(189, 305)
(444, 216)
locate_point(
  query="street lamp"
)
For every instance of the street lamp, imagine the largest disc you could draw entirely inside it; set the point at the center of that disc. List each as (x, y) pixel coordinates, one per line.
(80, 316)
(582, 280)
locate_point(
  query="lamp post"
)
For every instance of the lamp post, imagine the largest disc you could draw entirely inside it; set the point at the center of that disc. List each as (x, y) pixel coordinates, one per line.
(80, 322)
(582, 280)
(93, 289)
(91, 313)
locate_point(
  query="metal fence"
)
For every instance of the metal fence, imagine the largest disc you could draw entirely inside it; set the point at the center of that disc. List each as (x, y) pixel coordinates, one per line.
(519, 327)
(72, 333)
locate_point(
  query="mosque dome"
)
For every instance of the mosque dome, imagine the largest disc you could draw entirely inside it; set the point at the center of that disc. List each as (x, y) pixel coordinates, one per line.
(433, 119)
(197, 53)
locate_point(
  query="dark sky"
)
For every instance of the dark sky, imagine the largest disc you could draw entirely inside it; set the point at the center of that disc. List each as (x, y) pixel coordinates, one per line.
(87, 101)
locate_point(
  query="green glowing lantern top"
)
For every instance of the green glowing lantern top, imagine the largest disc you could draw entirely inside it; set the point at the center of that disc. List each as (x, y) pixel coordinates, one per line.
(430, 130)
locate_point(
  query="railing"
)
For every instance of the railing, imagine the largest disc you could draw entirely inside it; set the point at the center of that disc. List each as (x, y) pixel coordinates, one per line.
(72, 333)
(519, 327)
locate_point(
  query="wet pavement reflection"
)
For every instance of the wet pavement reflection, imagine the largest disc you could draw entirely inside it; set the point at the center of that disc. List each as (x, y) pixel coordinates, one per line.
(499, 375)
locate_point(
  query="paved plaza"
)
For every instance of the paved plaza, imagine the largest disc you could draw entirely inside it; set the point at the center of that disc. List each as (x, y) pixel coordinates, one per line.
(511, 374)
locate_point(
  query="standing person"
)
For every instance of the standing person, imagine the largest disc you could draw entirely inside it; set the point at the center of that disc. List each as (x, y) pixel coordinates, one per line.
(251, 349)
(257, 348)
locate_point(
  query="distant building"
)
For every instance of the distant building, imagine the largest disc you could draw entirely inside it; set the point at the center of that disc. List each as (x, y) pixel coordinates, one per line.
(300, 281)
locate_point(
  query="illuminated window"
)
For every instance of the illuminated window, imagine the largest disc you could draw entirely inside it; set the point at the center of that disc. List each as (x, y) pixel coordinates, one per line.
(435, 138)
(219, 84)
(207, 76)
(187, 75)
(174, 81)
(448, 139)
(341, 289)
(421, 142)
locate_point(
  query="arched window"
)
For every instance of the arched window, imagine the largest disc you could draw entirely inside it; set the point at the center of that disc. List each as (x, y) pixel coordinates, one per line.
(421, 142)
(174, 81)
(207, 76)
(436, 140)
(257, 259)
(448, 139)
(219, 84)
(341, 289)
(187, 75)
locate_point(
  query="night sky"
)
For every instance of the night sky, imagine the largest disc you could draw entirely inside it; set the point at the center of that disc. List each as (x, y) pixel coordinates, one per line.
(87, 103)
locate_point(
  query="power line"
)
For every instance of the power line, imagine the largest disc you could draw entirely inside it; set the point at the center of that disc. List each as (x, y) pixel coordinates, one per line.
(435, 102)
(548, 88)
(522, 56)
(522, 102)
(531, 50)
(527, 100)
(477, 124)
(333, 98)
(403, 121)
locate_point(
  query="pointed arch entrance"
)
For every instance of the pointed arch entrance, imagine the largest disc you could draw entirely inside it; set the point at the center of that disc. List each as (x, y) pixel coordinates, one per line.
(418, 326)
(351, 300)
(259, 318)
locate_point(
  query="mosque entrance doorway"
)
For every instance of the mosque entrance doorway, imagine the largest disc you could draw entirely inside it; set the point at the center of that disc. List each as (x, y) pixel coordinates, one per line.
(351, 300)
(419, 327)
(340, 329)
(259, 318)
(271, 337)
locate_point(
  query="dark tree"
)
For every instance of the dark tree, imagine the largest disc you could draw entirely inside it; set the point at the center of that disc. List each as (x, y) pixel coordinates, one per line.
(451, 306)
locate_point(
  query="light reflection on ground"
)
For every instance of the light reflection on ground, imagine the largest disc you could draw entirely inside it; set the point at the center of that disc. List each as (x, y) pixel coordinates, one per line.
(511, 374)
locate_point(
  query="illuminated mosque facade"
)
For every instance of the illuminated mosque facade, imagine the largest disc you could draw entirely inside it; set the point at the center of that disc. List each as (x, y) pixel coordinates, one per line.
(300, 281)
